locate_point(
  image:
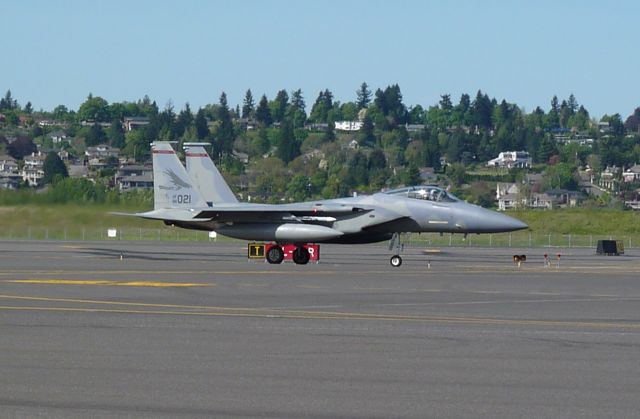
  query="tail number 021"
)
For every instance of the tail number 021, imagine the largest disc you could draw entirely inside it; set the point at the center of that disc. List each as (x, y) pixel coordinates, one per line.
(182, 199)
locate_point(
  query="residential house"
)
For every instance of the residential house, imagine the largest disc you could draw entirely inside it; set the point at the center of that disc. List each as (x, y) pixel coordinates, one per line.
(428, 175)
(609, 178)
(132, 122)
(101, 156)
(243, 157)
(78, 170)
(632, 174)
(33, 169)
(509, 201)
(131, 176)
(58, 136)
(8, 165)
(414, 127)
(10, 180)
(320, 126)
(541, 201)
(348, 125)
(564, 197)
(503, 189)
(511, 159)
(135, 182)
(64, 155)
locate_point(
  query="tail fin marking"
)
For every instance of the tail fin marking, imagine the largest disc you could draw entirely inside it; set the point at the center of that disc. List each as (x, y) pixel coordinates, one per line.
(172, 187)
(206, 177)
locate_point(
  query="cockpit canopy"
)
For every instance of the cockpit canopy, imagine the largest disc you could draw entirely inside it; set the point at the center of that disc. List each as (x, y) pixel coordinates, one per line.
(425, 192)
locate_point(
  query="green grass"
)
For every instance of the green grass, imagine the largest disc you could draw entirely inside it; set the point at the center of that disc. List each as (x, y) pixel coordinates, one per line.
(565, 228)
(583, 221)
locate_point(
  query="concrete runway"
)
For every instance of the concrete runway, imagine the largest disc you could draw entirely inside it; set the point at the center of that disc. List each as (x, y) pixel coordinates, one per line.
(196, 330)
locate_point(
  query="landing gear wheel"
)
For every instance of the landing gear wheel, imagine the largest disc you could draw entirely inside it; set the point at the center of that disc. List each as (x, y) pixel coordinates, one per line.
(395, 261)
(301, 255)
(275, 255)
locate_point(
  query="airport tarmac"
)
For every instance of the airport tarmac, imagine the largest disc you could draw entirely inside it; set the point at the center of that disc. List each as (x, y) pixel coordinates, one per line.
(165, 329)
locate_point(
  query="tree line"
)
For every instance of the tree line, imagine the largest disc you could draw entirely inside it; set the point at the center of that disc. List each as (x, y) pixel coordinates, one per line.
(395, 140)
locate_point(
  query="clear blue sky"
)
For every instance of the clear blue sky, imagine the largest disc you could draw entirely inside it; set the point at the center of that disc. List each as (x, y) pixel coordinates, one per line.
(56, 52)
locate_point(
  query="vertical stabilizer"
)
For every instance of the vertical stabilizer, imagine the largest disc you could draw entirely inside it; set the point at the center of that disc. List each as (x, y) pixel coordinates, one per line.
(206, 177)
(172, 187)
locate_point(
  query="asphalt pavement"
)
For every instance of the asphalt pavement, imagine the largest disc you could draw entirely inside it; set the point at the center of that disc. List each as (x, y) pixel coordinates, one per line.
(153, 329)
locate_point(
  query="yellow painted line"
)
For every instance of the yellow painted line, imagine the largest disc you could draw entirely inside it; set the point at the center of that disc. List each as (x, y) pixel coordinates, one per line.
(302, 314)
(108, 283)
(165, 272)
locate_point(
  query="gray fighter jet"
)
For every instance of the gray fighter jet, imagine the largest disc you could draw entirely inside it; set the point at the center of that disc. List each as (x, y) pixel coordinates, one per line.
(200, 199)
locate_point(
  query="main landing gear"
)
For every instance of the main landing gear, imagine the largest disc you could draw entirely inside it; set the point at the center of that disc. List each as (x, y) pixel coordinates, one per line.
(275, 255)
(300, 254)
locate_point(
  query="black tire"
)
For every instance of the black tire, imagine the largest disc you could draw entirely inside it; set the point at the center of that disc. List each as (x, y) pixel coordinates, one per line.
(395, 261)
(301, 255)
(275, 255)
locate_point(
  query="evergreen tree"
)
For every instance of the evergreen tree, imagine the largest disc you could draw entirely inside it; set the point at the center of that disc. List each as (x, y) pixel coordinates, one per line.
(53, 166)
(573, 104)
(8, 103)
(482, 110)
(28, 108)
(116, 134)
(202, 129)
(297, 109)
(288, 147)
(377, 160)
(363, 96)
(322, 106)
(248, 106)
(632, 124)
(390, 104)
(224, 134)
(279, 106)
(184, 121)
(263, 144)
(357, 172)
(263, 114)
(547, 149)
(366, 134)
(411, 175)
(553, 117)
(95, 135)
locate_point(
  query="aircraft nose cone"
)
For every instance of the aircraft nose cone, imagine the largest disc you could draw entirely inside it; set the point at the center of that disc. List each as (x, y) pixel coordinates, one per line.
(480, 220)
(512, 224)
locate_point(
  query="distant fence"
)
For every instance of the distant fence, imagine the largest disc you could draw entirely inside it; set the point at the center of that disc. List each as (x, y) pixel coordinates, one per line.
(518, 239)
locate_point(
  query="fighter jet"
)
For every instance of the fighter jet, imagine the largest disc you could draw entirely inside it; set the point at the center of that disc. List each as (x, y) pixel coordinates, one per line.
(201, 199)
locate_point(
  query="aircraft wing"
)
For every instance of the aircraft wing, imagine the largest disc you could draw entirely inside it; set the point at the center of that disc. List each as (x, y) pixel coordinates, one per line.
(260, 212)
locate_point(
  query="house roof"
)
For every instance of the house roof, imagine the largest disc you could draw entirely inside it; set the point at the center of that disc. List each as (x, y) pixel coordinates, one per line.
(509, 197)
(634, 169)
(562, 192)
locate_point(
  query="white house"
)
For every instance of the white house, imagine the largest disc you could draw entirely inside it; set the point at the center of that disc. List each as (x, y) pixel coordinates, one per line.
(511, 159)
(33, 170)
(348, 125)
(632, 174)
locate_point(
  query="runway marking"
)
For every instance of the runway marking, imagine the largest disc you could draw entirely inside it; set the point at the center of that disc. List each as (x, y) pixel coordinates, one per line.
(300, 314)
(163, 272)
(108, 283)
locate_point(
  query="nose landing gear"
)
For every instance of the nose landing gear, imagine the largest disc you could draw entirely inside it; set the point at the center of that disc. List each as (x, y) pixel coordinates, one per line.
(397, 246)
(395, 261)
